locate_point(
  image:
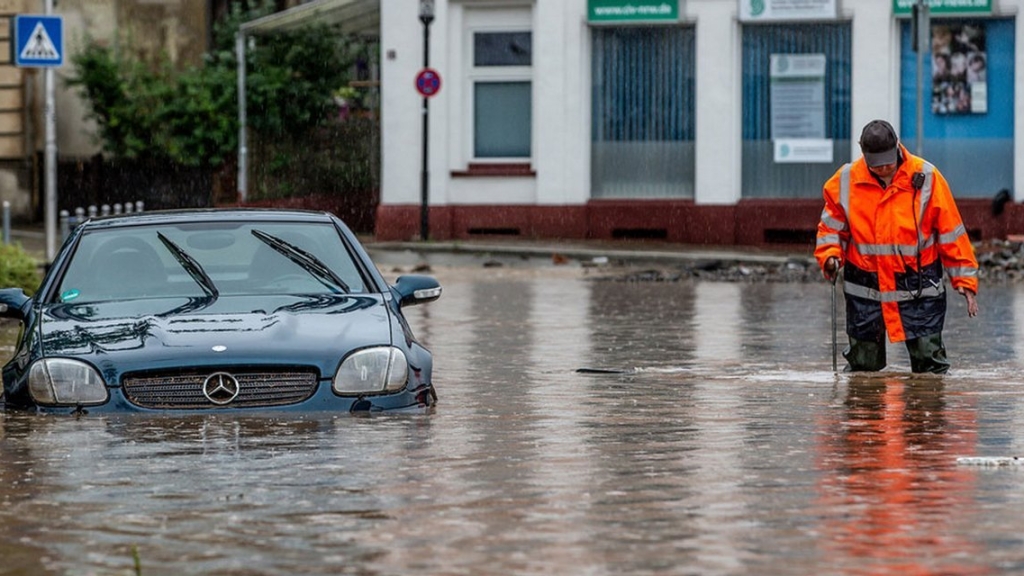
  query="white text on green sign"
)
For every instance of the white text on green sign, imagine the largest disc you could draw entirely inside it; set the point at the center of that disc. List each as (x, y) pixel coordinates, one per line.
(945, 6)
(630, 10)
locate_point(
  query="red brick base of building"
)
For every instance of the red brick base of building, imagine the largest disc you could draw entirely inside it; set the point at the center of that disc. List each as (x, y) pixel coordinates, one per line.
(747, 223)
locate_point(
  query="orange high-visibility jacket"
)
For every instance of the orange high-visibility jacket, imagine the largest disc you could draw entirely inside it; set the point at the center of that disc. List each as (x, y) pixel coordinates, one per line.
(894, 244)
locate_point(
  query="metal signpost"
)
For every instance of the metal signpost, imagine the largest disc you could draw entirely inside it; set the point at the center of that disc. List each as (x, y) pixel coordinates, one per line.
(428, 82)
(921, 32)
(38, 42)
(920, 12)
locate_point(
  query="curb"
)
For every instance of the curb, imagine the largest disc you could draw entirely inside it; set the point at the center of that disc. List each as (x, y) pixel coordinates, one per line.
(588, 253)
(34, 242)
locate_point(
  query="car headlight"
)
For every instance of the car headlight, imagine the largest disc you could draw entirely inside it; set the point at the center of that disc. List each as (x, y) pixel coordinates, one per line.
(54, 381)
(372, 370)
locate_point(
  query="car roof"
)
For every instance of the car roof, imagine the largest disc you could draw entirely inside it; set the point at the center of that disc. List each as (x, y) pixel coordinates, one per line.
(193, 215)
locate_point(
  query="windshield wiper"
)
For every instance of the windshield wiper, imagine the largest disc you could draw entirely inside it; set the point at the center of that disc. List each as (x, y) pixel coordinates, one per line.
(191, 266)
(304, 260)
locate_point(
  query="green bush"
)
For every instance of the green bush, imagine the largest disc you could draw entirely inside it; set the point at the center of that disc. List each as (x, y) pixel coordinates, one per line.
(18, 269)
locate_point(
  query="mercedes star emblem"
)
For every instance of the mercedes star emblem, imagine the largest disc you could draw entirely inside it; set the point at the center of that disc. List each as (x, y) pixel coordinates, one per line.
(220, 388)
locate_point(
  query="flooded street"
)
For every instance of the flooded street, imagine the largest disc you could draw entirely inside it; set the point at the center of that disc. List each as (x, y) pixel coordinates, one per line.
(707, 435)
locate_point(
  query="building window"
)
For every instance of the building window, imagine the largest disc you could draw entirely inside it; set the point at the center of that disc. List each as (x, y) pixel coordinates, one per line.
(502, 49)
(959, 139)
(822, 106)
(501, 82)
(642, 123)
(501, 120)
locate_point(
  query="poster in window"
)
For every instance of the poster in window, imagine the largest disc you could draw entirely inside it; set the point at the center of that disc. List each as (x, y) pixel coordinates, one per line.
(797, 94)
(959, 68)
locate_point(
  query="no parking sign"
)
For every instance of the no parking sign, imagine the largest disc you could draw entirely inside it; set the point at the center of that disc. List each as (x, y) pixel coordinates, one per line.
(428, 82)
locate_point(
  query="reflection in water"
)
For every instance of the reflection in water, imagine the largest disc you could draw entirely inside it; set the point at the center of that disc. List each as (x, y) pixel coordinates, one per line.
(716, 321)
(558, 313)
(719, 472)
(641, 325)
(200, 494)
(727, 447)
(886, 462)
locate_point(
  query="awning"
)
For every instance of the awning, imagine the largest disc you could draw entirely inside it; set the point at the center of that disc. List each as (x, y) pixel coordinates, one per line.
(360, 17)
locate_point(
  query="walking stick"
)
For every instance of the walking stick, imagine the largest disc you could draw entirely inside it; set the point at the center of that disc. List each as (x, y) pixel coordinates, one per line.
(835, 368)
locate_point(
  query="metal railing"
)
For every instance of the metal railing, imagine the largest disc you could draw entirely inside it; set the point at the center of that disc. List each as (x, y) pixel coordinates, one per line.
(69, 222)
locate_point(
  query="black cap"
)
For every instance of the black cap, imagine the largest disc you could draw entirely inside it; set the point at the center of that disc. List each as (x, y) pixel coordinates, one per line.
(878, 142)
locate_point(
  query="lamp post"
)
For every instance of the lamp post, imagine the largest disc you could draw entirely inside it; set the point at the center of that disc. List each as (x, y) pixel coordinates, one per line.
(426, 17)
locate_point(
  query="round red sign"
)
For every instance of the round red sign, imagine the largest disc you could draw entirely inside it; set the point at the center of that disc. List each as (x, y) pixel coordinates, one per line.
(428, 82)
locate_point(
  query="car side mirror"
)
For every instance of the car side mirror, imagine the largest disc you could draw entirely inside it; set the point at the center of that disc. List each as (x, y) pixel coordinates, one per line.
(416, 289)
(13, 303)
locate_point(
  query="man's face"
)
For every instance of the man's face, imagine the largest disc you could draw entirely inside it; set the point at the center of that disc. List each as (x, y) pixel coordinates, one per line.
(883, 171)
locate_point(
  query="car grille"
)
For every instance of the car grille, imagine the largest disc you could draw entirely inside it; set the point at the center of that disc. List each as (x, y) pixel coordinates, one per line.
(185, 390)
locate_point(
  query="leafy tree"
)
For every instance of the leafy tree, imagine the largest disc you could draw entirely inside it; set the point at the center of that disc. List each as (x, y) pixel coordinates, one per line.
(153, 112)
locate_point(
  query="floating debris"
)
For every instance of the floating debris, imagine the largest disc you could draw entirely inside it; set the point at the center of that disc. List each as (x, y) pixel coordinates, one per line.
(990, 461)
(605, 370)
(596, 261)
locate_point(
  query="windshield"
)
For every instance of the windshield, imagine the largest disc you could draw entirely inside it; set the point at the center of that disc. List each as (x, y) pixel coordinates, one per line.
(210, 260)
(308, 262)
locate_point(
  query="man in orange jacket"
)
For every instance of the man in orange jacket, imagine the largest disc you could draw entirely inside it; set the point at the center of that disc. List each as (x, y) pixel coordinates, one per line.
(890, 222)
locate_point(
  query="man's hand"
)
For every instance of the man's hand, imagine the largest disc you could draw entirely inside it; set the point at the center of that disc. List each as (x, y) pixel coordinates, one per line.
(831, 268)
(972, 301)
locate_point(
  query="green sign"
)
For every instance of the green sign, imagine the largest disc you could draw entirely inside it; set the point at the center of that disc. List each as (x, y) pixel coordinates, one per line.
(632, 10)
(901, 7)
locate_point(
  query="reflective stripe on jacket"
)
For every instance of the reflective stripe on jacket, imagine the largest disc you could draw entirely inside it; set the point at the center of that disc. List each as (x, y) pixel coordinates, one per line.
(894, 244)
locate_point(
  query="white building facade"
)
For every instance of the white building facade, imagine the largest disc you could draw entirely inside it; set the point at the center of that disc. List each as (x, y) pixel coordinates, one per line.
(699, 121)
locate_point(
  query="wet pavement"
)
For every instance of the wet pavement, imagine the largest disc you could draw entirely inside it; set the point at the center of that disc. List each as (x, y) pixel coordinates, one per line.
(707, 435)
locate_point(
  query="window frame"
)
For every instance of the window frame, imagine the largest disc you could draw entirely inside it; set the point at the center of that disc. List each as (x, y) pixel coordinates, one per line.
(494, 20)
(760, 179)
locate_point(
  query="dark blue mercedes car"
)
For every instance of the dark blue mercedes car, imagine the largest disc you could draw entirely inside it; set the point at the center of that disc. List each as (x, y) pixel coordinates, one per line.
(206, 310)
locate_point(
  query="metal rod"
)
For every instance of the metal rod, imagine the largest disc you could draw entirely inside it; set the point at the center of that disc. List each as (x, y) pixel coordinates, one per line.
(50, 160)
(65, 224)
(7, 222)
(425, 176)
(923, 42)
(835, 366)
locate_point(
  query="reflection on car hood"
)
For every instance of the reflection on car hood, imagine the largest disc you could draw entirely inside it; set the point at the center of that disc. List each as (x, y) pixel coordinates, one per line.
(173, 332)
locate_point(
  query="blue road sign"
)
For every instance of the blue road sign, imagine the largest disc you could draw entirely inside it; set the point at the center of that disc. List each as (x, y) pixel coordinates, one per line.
(38, 41)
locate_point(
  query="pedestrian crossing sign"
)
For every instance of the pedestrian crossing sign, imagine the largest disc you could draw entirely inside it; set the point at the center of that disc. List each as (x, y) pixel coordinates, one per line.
(38, 41)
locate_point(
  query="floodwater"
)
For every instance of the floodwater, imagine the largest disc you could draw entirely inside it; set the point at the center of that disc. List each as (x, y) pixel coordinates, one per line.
(710, 437)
